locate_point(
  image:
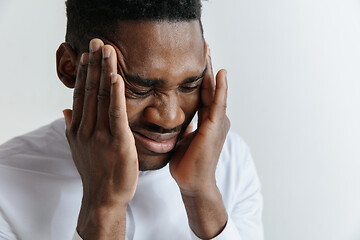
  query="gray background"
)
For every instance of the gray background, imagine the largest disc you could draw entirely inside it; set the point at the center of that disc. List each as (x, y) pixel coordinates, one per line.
(294, 71)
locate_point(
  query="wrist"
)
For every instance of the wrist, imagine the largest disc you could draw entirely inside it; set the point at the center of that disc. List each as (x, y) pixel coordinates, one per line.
(100, 222)
(206, 212)
(206, 189)
(209, 197)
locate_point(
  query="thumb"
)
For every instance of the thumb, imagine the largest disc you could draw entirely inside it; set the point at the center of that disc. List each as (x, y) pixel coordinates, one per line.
(67, 116)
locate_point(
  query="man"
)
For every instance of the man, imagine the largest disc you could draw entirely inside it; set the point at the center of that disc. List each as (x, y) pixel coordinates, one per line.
(145, 173)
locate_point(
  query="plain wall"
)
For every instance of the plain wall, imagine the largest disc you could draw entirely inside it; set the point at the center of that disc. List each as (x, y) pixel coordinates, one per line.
(294, 96)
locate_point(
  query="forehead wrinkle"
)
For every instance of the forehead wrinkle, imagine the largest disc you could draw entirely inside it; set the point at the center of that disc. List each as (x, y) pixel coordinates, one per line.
(137, 80)
(143, 38)
(161, 50)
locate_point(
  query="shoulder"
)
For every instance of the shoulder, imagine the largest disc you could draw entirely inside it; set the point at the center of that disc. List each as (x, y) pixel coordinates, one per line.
(236, 173)
(39, 184)
(43, 149)
(235, 152)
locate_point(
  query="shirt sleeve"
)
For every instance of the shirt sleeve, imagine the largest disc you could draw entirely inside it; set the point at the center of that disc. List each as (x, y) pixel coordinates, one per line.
(246, 213)
(230, 232)
(76, 236)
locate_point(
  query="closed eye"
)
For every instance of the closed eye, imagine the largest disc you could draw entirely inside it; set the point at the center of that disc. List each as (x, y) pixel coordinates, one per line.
(189, 88)
(137, 93)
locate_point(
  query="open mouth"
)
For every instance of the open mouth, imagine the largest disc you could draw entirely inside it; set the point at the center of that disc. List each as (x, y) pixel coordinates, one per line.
(157, 143)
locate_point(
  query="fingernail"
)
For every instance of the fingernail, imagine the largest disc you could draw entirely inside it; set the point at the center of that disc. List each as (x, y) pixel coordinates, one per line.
(209, 51)
(94, 46)
(113, 77)
(106, 52)
(83, 59)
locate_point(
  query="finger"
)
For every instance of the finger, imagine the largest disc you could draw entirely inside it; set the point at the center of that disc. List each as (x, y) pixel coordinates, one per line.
(218, 107)
(67, 116)
(117, 111)
(207, 90)
(119, 55)
(78, 97)
(92, 86)
(108, 66)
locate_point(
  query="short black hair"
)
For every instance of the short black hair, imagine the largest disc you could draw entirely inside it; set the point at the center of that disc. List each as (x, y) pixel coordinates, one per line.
(87, 19)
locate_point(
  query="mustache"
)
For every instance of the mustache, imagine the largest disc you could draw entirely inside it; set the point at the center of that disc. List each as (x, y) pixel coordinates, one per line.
(156, 128)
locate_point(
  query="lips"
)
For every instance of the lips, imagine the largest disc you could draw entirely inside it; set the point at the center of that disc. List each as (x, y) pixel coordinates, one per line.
(155, 142)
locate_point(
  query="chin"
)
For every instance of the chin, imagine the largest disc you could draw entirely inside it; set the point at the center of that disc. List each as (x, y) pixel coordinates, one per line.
(153, 162)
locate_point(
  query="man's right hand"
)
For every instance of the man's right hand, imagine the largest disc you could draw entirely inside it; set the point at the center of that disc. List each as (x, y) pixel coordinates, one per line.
(102, 144)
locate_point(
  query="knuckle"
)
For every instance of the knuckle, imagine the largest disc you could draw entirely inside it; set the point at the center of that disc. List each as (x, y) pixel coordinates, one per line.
(115, 112)
(103, 94)
(83, 133)
(72, 132)
(99, 136)
(83, 67)
(104, 68)
(118, 146)
(82, 136)
(78, 93)
(94, 62)
(90, 89)
(221, 105)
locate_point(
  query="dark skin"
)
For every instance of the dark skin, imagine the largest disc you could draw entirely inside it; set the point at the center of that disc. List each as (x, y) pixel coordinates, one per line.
(164, 77)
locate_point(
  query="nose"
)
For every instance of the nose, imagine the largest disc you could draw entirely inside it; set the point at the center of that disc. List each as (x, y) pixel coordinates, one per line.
(165, 111)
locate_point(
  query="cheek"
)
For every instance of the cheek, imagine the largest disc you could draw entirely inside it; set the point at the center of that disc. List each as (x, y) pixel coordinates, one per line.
(134, 108)
(190, 104)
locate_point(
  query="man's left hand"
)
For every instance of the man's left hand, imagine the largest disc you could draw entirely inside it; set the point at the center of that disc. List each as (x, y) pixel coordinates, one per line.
(195, 158)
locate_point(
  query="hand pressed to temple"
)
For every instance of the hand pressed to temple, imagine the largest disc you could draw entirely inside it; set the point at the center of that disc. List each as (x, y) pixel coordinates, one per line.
(102, 144)
(194, 161)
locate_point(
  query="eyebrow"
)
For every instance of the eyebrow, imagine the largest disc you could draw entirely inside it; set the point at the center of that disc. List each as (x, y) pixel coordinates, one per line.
(147, 82)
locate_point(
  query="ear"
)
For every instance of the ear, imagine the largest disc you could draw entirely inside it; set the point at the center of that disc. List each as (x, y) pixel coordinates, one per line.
(66, 65)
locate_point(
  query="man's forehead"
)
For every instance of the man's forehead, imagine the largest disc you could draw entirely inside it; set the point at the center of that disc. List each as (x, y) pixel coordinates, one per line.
(160, 47)
(146, 36)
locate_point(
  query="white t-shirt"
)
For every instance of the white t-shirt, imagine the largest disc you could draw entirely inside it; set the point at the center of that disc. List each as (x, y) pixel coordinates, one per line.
(41, 191)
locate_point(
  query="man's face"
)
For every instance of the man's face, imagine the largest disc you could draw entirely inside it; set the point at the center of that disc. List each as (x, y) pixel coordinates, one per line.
(163, 64)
